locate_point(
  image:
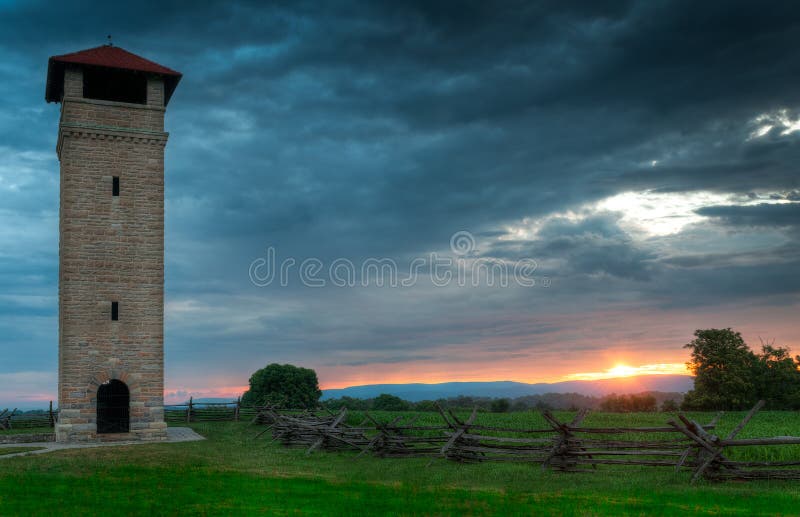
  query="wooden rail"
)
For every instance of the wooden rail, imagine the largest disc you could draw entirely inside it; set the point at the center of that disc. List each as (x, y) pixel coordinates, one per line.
(208, 412)
(565, 447)
(10, 420)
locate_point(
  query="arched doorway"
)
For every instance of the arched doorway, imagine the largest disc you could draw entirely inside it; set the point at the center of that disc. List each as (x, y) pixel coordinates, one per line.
(113, 407)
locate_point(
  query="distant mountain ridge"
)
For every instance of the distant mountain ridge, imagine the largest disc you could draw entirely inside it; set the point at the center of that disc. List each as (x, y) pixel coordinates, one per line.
(415, 392)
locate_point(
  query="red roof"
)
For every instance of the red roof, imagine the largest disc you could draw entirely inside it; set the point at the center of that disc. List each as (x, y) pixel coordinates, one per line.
(106, 56)
(114, 57)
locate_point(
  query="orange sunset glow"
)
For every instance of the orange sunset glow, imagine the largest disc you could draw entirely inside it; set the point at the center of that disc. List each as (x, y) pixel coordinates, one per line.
(630, 357)
(623, 370)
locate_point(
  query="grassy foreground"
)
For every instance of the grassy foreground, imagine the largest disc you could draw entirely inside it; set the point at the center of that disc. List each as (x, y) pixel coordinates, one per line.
(15, 450)
(26, 430)
(231, 473)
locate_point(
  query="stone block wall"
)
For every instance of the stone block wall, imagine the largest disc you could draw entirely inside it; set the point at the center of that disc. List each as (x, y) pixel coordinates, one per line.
(111, 249)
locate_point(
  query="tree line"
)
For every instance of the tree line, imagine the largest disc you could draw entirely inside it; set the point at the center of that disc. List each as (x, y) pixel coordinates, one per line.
(289, 386)
(643, 402)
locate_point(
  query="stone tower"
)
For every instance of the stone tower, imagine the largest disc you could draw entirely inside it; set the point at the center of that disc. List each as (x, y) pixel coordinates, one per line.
(111, 250)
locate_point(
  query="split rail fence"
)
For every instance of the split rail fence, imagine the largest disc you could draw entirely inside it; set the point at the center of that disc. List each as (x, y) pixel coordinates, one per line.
(682, 443)
(563, 446)
(13, 419)
(209, 412)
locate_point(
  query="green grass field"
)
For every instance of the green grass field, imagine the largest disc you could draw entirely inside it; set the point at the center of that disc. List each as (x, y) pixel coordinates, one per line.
(26, 430)
(231, 473)
(14, 450)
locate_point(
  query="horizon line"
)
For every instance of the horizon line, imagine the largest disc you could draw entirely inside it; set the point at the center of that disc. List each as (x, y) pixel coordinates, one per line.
(232, 393)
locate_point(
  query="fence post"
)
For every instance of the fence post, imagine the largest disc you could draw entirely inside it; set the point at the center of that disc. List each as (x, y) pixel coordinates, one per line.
(52, 420)
(238, 408)
(189, 411)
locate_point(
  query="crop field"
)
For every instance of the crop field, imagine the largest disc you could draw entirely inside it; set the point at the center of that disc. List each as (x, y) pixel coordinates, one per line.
(234, 473)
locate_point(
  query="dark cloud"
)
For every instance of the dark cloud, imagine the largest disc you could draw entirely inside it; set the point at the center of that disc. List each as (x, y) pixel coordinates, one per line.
(594, 245)
(775, 255)
(763, 214)
(361, 129)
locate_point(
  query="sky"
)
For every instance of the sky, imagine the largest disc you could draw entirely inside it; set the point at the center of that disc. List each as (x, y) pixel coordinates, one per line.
(631, 166)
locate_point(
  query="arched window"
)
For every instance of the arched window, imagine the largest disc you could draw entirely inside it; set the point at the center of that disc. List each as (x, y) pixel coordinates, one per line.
(113, 407)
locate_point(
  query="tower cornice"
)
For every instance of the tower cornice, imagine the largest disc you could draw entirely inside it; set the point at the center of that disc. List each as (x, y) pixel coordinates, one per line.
(78, 130)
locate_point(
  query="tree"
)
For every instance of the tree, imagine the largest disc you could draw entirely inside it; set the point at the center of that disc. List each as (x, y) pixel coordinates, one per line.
(723, 367)
(518, 405)
(425, 405)
(500, 405)
(729, 375)
(346, 402)
(669, 406)
(283, 386)
(386, 402)
(776, 377)
(642, 402)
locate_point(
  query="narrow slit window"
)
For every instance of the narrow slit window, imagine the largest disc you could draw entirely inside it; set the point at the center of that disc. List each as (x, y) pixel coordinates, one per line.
(114, 311)
(115, 187)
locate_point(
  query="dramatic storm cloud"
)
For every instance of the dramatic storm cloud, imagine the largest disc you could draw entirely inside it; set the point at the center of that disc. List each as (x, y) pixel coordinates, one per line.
(643, 154)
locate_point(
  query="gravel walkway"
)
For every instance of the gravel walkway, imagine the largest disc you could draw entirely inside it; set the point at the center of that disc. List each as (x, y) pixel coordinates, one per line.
(174, 435)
